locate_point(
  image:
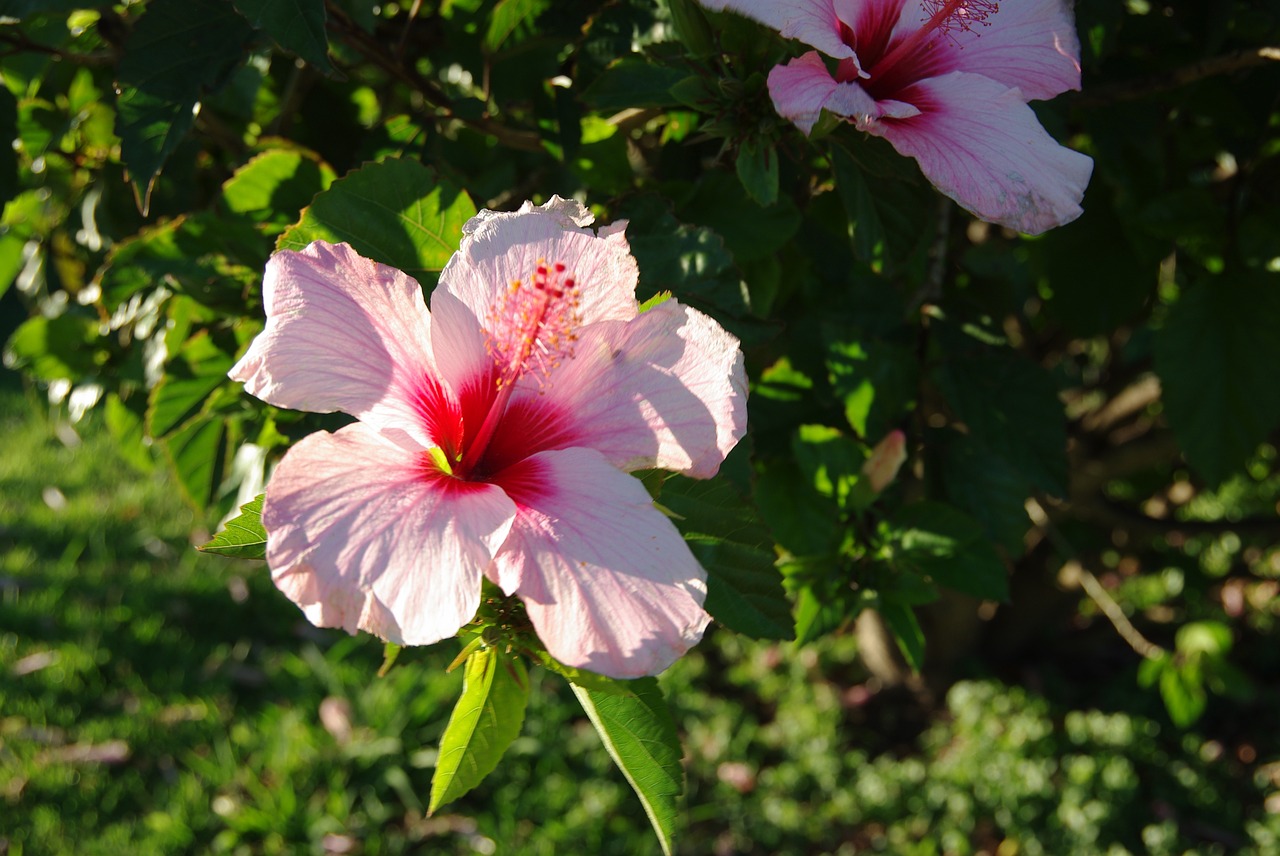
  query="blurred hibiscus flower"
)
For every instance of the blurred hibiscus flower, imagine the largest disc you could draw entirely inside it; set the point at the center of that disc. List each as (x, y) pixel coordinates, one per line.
(946, 82)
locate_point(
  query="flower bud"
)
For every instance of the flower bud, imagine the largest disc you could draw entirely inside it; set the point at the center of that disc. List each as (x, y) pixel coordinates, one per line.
(886, 459)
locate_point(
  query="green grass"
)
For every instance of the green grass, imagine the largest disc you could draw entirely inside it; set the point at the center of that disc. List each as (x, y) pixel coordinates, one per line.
(157, 701)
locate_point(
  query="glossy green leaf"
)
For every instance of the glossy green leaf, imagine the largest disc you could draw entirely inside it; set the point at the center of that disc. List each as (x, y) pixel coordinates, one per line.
(243, 537)
(177, 49)
(744, 586)
(1218, 358)
(757, 168)
(640, 735)
(1011, 405)
(298, 26)
(949, 546)
(486, 719)
(633, 82)
(395, 212)
(8, 157)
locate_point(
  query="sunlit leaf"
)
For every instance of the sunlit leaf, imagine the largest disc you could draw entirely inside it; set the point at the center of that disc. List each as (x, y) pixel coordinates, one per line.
(296, 25)
(243, 537)
(486, 719)
(640, 735)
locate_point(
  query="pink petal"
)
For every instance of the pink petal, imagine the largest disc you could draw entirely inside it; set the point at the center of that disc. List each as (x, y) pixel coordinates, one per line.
(499, 247)
(980, 144)
(343, 333)
(873, 22)
(667, 390)
(362, 535)
(606, 579)
(803, 88)
(1030, 44)
(813, 22)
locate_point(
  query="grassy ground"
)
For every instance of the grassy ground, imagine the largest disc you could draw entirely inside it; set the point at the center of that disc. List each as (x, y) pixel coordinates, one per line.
(156, 701)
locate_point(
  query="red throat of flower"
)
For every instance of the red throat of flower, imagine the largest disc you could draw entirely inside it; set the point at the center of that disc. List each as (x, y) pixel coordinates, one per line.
(532, 328)
(945, 17)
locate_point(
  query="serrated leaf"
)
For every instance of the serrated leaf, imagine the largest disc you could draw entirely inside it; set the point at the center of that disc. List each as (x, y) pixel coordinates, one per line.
(633, 82)
(276, 185)
(726, 535)
(757, 168)
(177, 49)
(295, 25)
(1011, 405)
(947, 545)
(486, 719)
(395, 212)
(876, 380)
(985, 485)
(866, 231)
(243, 537)
(640, 736)
(1218, 359)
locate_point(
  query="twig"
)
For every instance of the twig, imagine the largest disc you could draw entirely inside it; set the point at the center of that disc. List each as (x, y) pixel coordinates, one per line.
(1225, 64)
(404, 35)
(931, 288)
(21, 44)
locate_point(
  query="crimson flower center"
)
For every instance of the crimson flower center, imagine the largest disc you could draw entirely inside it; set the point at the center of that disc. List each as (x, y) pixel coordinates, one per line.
(531, 329)
(891, 65)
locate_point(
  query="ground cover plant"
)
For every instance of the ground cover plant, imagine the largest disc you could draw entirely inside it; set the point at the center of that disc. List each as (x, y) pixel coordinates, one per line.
(920, 356)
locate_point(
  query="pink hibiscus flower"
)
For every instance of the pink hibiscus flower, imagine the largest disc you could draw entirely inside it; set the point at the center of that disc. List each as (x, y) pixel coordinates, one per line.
(947, 83)
(494, 436)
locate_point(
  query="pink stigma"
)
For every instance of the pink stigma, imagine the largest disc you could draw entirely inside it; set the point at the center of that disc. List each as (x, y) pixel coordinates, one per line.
(532, 328)
(533, 324)
(949, 15)
(945, 17)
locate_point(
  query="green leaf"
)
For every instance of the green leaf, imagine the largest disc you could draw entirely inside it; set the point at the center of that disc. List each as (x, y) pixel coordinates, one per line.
(200, 453)
(640, 735)
(866, 231)
(243, 537)
(1203, 638)
(744, 586)
(55, 348)
(876, 380)
(486, 719)
(902, 623)
(1218, 358)
(985, 483)
(1011, 405)
(273, 187)
(20, 9)
(128, 430)
(395, 212)
(633, 82)
(190, 377)
(177, 49)
(295, 25)
(1182, 689)
(757, 168)
(509, 16)
(750, 231)
(944, 543)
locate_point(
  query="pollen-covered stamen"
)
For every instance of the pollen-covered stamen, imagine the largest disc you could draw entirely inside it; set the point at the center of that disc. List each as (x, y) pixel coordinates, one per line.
(946, 17)
(532, 328)
(534, 324)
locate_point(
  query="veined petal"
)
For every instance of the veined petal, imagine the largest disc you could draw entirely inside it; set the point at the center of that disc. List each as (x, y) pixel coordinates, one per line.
(980, 144)
(667, 390)
(606, 579)
(343, 333)
(813, 22)
(1029, 44)
(803, 88)
(365, 535)
(873, 23)
(501, 247)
